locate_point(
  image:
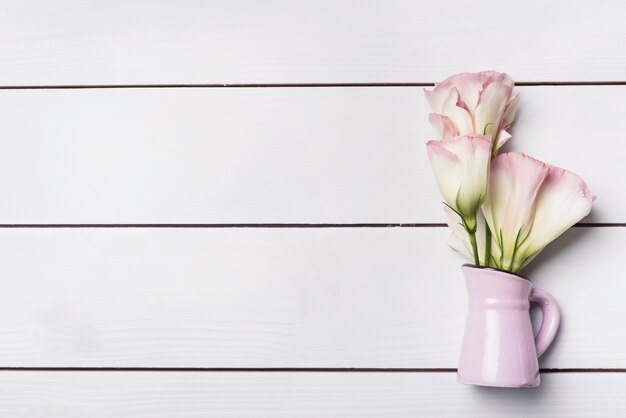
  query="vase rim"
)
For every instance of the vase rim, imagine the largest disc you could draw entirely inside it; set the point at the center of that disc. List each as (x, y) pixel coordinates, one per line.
(469, 265)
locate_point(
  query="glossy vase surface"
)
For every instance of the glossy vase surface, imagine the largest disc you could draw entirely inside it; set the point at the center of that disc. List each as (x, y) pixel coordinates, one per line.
(499, 347)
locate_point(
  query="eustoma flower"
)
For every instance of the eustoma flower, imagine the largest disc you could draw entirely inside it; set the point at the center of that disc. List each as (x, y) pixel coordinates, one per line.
(461, 168)
(529, 204)
(474, 104)
(502, 209)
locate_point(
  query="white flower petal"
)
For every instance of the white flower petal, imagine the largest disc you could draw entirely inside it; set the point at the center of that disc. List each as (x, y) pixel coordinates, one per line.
(511, 111)
(448, 170)
(460, 116)
(563, 200)
(509, 207)
(459, 238)
(490, 110)
(475, 153)
(461, 167)
(503, 138)
(475, 103)
(443, 125)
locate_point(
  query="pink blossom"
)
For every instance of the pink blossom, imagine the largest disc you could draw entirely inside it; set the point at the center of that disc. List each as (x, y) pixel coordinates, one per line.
(529, 204)
(474, 104)
(461, 168)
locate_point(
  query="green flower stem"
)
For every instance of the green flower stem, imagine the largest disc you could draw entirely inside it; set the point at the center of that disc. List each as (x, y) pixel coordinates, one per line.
(472, 237)
(471, 226)
(515, 247)
(487, 260)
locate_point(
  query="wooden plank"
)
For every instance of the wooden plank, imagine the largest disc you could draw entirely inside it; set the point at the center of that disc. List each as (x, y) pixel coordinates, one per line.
(285, 155)
(143, 42)
(314, 297)
(152, 394)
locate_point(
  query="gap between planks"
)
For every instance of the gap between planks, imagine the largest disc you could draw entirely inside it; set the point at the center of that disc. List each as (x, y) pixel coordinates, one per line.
(296, 85)
(284, 369)
(273, 225)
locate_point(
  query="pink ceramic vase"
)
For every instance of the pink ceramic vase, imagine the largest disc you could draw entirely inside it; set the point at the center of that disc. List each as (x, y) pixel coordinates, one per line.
(499, 348)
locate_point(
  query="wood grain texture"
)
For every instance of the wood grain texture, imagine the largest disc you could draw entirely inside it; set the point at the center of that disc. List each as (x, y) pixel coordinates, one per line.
(146, 42)
(284, 155)
(343, 297)
(164, 395)
(296, 297)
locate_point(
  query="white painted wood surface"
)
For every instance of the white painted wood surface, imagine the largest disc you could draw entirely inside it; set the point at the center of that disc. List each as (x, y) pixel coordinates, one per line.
(271, 155)
(330, 41)
(174, 395)
(315, 297)
(285, 297)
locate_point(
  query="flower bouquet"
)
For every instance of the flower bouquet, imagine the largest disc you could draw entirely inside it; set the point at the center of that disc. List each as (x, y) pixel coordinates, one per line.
(502, 209)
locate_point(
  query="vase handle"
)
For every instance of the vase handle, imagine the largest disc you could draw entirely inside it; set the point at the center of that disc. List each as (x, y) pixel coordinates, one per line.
(551, 319)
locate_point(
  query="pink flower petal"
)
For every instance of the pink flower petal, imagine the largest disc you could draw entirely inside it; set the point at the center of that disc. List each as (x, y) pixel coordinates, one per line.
(491, 106)
(509, 208)
(443, 125)
(461, 168)
(563, 200)
(474, 102)
(445, 102)
(459, 240)
(503, 138)
(468, 85)
(448, 170)
(510, 112)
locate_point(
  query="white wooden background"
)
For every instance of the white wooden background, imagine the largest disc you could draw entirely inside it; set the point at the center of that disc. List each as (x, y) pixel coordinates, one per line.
(225, 208)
